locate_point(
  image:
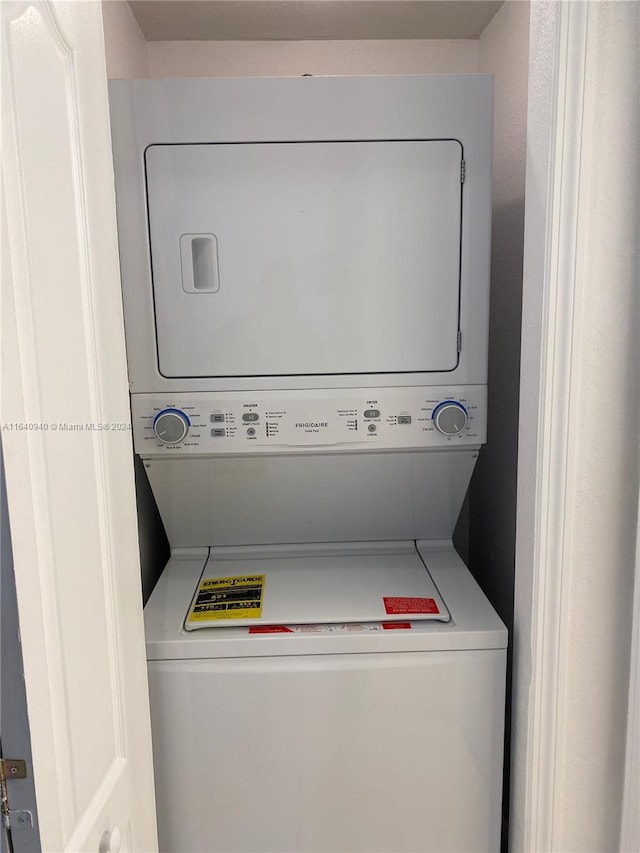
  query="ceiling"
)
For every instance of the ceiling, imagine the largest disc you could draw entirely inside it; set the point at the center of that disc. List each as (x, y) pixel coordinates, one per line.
(237, 20)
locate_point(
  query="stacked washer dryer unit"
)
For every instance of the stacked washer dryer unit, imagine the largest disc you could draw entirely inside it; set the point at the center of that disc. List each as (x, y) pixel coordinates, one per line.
(305, 269)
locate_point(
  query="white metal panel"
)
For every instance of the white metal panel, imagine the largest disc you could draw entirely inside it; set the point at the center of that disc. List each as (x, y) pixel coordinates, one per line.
(337, 419)
(309, 109)
(351, 584)
(310, 497)
(377, 753)
(70, 490)
(474, 624)
(332, 257)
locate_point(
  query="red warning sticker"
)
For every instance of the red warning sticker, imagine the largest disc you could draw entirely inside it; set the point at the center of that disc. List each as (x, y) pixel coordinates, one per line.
(397, 605)
(270, 629)
(389, 626)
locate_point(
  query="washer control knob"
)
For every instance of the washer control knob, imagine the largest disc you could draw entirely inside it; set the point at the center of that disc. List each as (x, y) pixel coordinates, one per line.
(450, 417)
(171, 426)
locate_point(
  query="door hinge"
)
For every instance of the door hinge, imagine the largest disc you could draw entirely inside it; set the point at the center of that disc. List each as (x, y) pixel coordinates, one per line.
(13, 768)
(459, 340)
(463, 171)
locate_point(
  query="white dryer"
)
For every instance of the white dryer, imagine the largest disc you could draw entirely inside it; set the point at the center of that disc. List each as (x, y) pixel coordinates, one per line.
(305, 278)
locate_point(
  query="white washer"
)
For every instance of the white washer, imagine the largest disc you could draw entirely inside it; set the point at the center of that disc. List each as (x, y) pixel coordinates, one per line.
(305, 269)
(328, 739)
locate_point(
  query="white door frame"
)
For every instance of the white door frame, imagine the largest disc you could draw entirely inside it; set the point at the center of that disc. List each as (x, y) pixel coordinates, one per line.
(566, 45)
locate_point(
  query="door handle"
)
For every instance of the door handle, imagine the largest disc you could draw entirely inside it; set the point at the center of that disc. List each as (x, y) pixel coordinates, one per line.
(110, 841)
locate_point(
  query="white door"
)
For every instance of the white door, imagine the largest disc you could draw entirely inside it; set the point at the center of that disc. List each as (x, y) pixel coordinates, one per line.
(66, 437)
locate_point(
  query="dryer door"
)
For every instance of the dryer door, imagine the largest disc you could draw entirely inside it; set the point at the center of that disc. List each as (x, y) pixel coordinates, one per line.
(306, 258)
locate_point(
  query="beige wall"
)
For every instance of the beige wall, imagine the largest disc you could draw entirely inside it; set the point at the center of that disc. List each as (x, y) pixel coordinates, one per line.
(125, 46)
(128, 55)
(284, 58)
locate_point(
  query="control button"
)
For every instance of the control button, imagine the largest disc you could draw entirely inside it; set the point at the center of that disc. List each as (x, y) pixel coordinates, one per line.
(372, 413)
(251, 431)
(248, 417)
(371, 427)
(404, 419)
(218, 433)
(450, 417)
(217, 418)
(171, 426)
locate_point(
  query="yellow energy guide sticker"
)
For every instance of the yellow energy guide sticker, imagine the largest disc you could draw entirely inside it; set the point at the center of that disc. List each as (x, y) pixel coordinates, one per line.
(238, 597)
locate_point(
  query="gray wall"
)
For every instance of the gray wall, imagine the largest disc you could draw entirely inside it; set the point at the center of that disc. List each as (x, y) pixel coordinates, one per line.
(154, 546)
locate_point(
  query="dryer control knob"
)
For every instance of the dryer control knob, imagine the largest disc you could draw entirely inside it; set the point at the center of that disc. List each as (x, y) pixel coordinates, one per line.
(450, 417)
(171, 426)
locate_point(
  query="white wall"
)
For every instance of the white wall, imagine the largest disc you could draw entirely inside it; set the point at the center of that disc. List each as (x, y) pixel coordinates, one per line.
(280, 58)
(125, 46)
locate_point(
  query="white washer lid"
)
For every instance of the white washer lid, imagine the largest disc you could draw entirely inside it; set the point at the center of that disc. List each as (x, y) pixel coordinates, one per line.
(356, 583)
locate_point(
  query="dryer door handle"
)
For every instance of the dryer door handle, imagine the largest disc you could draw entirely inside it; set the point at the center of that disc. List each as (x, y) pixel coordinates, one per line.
(199, 263)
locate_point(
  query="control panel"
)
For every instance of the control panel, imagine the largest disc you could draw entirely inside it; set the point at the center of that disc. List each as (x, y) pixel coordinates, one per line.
(265, 421)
